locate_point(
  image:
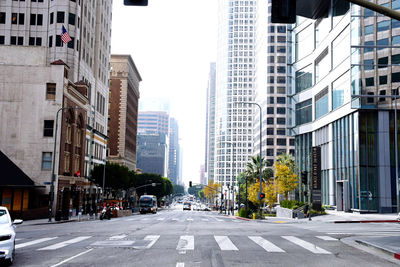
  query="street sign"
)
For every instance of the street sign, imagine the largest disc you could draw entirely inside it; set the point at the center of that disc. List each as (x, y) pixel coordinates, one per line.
(316, 178)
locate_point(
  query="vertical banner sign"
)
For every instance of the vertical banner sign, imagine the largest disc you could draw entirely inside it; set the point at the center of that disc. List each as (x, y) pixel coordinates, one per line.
(316, 178)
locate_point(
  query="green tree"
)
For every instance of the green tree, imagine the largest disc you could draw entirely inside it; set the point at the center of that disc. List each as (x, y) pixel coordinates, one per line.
(117, 177)
(178, 189)
(252, 171)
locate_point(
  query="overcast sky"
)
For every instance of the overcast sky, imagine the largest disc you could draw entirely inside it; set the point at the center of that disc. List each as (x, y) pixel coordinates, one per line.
(172, 43)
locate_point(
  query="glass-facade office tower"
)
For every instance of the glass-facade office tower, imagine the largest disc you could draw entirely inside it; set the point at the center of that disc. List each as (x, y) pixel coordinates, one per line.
(270, 91)
(174, 153)
(234, 84)
(350, 52)
(210, 124)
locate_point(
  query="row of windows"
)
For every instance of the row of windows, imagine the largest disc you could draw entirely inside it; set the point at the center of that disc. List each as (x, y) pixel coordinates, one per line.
(280, 121)
(279, 49)
(270, 110)
(279, 79)
(271, 152)
(279, 69)
(271, 131)
(37, 19)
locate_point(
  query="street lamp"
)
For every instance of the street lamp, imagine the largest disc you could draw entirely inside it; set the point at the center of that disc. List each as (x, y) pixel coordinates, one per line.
(53, 175)
(261, 160)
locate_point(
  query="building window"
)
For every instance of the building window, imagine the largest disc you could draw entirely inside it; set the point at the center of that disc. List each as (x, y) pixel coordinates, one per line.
(48, 128)
(14, 18)
(304, 112)
(2, 17)
(281, 141)
(71, 18)
(339, 87)
(59, 43)
(46, 160)
(281, 100)
(50, 91)
(303, 79)
(281, 131)
(280, 151)
(281, 110)
(60, 17)
(33, 19)
(70, 44)
(39, 19)
(270, 141)
(340, 47)
(68, 138)
(50, 41)
(270, 131)
(20, 40)
(321, 103)
(322, 66)
(270, 110)
(281, 121)
(13, 40)
(51, 17)
(383, 25)
(270, 121)
(2, 39)
(270, 152)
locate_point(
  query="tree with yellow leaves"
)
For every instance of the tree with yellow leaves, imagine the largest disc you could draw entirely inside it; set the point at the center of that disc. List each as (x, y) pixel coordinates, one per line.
(271, 197)
(210, 191)
(286, 178)
(253, 192)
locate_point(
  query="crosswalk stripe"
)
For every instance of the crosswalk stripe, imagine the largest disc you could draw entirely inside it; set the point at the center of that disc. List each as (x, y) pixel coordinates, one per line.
(153, 239)
(307, 245)
(117, 237)
(180, 264)
(160, 219)
(186, 242)
(326, 238)
(265, 244)
(189, 219)
(225, 243)
(206, 220)
(175, 219)
(219, 220)
(34, 242)
(145, 219)
(65, 243)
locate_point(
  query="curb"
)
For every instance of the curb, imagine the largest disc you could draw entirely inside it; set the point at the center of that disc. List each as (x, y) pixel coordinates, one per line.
(395, 255)
(369, 221)
(47, 223)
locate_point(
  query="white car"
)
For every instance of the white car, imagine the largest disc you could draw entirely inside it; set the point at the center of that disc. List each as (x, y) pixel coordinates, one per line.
(7, 236)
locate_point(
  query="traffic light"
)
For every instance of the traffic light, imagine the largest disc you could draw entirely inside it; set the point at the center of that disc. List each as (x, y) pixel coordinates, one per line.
(283, 11)
(304, 177)
(135, 2)
(260, 195)
(190, 183)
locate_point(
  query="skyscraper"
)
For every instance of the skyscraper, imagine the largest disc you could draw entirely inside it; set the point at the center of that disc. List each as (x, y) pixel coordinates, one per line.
(234, 85)
(271, 70)
(210, 124)
(174, 151)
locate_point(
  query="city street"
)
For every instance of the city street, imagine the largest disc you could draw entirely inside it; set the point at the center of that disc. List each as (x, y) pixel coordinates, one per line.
(173, 237)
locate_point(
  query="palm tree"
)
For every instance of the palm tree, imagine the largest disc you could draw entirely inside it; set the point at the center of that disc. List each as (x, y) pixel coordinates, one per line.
(288, 160)
(252, 171)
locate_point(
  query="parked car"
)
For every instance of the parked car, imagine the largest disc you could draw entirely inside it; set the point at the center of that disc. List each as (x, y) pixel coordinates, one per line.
(187, 206)
(7, 236)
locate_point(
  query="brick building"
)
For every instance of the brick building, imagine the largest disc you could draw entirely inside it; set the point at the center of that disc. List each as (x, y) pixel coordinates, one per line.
(123, 111)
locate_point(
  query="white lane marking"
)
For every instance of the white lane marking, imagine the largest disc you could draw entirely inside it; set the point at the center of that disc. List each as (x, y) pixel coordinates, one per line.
(145, 219)
(65, 243)
(131, 219)
(265, 244)
(71, 258)
(307, 245)
(189, 219)
(153, 239)
(186, 242)
(34, 242)
(219, 220)
(326, 238)
(225, 243)
(205, 220)
(175, 219)
(180, 264)
(117, 237)
(160, 219)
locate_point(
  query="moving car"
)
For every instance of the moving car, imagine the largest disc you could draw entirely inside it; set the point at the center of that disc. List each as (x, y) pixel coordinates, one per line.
(187, 206)
(148, 203)
(7, 236)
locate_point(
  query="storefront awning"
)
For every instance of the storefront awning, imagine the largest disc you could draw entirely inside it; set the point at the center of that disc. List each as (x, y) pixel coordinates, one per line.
(12, 175)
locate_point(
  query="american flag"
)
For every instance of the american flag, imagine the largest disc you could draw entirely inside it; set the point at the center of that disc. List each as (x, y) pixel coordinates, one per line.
(65, 36)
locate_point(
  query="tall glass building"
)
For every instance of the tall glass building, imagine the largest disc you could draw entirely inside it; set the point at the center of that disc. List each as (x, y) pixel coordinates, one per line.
(344, 69)
(234, 85)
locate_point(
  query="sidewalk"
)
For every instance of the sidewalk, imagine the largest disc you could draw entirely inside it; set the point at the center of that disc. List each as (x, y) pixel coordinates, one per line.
(334, 216)
(388, 244)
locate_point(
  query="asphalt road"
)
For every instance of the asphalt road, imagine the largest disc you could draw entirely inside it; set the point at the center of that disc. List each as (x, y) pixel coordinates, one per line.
(189, 238)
